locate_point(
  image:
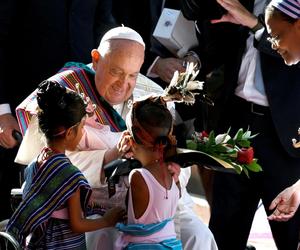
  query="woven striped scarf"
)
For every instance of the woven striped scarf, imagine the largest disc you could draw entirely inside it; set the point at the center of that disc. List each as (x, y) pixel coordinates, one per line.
(53, 184)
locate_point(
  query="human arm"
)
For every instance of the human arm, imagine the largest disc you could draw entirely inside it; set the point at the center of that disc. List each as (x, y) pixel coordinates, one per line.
(201, 10)
(286, 203)
(236, 13)
(121, 149)
(80, 224)
(111, 154)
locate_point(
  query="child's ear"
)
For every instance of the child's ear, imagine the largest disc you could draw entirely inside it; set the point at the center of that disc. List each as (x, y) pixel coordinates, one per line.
(70, 133)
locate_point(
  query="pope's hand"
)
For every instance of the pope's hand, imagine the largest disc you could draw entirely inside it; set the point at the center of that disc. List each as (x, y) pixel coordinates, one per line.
(7, 125)
(124, 145)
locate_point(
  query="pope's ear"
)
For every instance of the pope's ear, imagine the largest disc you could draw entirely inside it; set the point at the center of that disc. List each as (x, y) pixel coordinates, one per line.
(95, 58)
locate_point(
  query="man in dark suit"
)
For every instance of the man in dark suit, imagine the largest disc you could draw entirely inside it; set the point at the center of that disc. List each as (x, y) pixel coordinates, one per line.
(36, 39)
(259, 92)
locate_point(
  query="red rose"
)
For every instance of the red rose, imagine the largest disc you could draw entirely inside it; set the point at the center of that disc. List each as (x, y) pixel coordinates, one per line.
(204, 133)
(245, 155)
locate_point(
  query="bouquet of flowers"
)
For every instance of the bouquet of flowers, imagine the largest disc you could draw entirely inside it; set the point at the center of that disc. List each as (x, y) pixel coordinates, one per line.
(235, 151)
(207, 149)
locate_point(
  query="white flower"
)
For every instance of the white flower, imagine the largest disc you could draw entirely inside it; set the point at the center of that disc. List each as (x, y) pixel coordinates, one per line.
(247, 134)
(174, 79)
(194, 85)
(222, 138)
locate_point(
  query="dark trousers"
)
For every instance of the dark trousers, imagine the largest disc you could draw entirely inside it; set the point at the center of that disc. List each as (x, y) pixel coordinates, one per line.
(235, 197)
(9, 178)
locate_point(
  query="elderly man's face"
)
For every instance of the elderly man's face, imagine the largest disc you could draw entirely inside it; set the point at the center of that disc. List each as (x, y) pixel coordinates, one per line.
(285, 38)
(116, 73)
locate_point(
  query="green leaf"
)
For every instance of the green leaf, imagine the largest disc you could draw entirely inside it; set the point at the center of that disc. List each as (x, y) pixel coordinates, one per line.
(254, 166)
(191, 144)
(246, 171)
(231, 142)
(238, 168)
(247, 135)
(211, 139)
(220, 148)
(239, 135)
(244, 143)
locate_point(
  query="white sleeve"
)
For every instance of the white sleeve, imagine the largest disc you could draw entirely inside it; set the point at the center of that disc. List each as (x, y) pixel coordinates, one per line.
(184, 176)
(5, 109)
(90, 164)
(32, 143)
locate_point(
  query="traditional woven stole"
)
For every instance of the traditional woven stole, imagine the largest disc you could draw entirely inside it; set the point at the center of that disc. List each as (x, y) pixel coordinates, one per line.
(25, 111)
(71, 76)
(79, 74)
(53, 184)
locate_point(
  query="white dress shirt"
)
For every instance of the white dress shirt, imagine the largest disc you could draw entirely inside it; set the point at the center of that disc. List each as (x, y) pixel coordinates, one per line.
(246, 88)
(4, 109)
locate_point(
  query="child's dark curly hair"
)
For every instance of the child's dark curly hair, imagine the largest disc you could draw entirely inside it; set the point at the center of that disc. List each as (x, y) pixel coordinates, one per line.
(151, 124)
(59, 109)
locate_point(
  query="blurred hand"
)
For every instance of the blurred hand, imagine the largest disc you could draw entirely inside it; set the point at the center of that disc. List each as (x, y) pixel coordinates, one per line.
(192, 59)
(7, 124)
(114, 215)
(174, 170)
(286, 203)
(165, 68)
(237, 14)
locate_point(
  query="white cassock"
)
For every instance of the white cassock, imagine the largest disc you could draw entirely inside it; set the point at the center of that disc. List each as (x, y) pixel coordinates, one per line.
(97, 138)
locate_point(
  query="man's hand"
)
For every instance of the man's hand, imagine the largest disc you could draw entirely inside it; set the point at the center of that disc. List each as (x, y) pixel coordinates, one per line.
(165, 68)
(286, 203)
(7, 125)
(237, 14)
